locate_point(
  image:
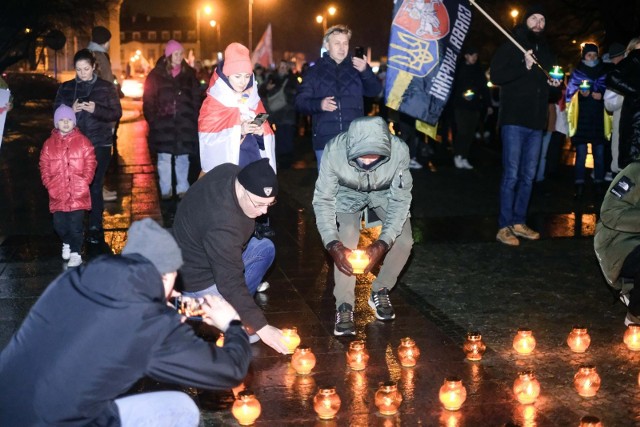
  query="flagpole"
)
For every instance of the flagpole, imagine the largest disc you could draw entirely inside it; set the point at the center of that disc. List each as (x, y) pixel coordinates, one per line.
(506, 33)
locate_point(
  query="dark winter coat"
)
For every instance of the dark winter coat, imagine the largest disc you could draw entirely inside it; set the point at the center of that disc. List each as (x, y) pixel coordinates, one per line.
(346, 85)
(93, 334)
(212, 232)
(524, 94)
(99, 125)
(67, 166)
(589, 125)
(171, 106)
(470, 77)
(625, 79)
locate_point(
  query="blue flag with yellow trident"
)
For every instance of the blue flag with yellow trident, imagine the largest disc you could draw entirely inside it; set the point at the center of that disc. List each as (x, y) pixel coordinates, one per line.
(426, 39)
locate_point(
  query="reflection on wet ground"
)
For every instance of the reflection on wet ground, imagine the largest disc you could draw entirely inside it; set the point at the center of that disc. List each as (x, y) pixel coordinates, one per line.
(458, 279)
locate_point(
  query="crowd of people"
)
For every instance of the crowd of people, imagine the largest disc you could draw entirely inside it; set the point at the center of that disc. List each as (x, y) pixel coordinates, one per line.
(239, 131)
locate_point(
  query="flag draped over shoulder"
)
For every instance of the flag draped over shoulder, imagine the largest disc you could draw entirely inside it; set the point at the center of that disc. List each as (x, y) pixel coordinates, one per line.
(426, 39)
(263, 53)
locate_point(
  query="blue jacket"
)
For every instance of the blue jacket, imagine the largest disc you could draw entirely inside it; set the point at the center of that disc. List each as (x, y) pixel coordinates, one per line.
(346, 84)
(93, 333)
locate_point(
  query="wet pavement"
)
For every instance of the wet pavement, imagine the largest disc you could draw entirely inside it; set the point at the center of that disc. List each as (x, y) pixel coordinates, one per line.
(458, 279)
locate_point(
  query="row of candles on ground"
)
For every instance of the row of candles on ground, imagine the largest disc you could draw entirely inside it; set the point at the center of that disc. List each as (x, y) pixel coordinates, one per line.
(452, 394)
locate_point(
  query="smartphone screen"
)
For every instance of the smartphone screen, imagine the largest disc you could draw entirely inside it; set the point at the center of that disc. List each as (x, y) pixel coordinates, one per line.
(359, 52)
(188, 307)
(260, 119)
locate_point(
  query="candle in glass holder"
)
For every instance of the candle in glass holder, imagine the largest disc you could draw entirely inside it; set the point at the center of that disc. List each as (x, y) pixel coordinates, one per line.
(590, 421)
(326, 403)
(632, 337)
(220, 340)
(246, 408)
(291, 339)
(473, 347)
(585, 85)
(469, 94)
(359, 260)
(408, 352)
(556, 72)
(388, 398)
(303, 360)
(357, 356)
(452, 394)
(526, 387)
(578, 339)
(524, 342)
(587, 381)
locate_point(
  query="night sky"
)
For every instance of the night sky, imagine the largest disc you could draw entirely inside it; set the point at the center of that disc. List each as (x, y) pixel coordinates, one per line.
(293, 21)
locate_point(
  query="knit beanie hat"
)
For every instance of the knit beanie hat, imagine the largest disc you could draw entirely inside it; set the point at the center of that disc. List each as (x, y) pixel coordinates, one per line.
(156, 244)
(532, 10)
(589, 47)
(259, 178)
(172, 46)
(64, 112)
(100, 34)
(236, 60)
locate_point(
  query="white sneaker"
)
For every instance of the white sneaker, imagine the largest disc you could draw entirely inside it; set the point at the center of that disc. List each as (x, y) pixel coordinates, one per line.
(414, 164)
(109, 196)
(263, 287)
(66, 251)
(466, 164)
(74, 259)
(457, 160)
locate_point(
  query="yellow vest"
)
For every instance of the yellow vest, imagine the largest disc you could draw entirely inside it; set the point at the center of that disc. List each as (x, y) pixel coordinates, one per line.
(572, 117)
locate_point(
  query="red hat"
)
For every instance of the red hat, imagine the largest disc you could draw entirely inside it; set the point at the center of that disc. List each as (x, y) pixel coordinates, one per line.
(172, 46)
(236, 60)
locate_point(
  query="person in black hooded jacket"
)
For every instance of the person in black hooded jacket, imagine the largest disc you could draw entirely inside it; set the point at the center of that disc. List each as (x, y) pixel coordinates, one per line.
(524, 96)
(171, 103)
(98, 329)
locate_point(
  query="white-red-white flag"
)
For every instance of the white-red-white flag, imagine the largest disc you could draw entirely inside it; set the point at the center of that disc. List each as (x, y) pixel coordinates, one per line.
(263, 53)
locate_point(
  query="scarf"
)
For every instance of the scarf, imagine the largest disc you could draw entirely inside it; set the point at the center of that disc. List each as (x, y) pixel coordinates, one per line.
(219, 124)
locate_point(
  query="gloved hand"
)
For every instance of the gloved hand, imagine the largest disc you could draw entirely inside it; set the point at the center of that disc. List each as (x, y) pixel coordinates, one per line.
(340, 256)
(375, 251)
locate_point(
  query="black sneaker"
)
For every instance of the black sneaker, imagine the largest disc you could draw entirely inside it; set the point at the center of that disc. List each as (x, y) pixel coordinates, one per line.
(344, 321)
(379, 301)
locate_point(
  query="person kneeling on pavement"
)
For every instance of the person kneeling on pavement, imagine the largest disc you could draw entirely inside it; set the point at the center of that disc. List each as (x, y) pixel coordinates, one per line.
(99, 328)
(617, 239)
(364, 168)
(214, 225)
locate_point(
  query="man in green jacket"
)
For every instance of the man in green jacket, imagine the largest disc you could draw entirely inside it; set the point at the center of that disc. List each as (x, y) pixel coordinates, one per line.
(617, 239)
(365, 168)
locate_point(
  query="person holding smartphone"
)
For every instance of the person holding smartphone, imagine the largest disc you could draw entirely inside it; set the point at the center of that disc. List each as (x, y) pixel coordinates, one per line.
(332, 90)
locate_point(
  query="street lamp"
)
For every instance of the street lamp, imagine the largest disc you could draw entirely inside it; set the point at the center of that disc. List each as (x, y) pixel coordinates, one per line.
(207, 11)
(250, 26)
(216, 25)
(324, 20)
(514, 14)
(320, 20)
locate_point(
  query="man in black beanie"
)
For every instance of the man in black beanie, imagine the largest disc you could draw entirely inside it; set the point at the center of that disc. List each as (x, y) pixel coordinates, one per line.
(98, 329)
(524, 98)
(214, 227)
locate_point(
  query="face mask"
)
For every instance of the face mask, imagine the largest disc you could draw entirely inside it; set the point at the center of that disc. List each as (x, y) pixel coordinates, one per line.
(591, 63)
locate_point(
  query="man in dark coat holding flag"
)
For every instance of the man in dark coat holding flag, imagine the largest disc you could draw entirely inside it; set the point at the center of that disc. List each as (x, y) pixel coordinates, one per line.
(524, 95)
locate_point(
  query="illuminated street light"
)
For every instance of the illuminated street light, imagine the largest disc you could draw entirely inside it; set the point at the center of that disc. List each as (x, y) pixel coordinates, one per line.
(207, 11)
(514, 14)
(323, 19)
(216, 25)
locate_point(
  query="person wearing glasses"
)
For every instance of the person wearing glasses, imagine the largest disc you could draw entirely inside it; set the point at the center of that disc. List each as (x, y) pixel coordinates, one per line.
(332, 90)
(214, 227)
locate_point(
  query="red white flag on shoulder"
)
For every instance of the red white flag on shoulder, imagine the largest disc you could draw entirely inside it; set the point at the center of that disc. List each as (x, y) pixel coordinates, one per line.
(263, 53)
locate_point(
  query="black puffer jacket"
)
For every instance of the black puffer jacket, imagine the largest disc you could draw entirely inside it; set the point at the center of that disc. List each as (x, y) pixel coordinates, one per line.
(524, 94)
(171, 106)
(625, 79)
(346, 85)
(99, 125)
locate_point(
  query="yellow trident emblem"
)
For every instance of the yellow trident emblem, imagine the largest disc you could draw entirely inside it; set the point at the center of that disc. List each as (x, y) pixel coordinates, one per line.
(416, 54)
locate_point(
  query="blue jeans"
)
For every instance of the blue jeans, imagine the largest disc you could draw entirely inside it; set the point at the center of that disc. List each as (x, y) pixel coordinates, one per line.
(520, 151)
(598, 161)
(257, 258)
(160, 408)
(164, 173)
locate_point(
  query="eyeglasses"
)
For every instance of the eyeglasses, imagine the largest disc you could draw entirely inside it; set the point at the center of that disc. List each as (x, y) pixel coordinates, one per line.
(260, 205)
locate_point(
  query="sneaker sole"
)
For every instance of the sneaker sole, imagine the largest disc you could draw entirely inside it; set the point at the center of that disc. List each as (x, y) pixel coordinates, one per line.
(524, 236)
(375, 311)
(343, 333)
